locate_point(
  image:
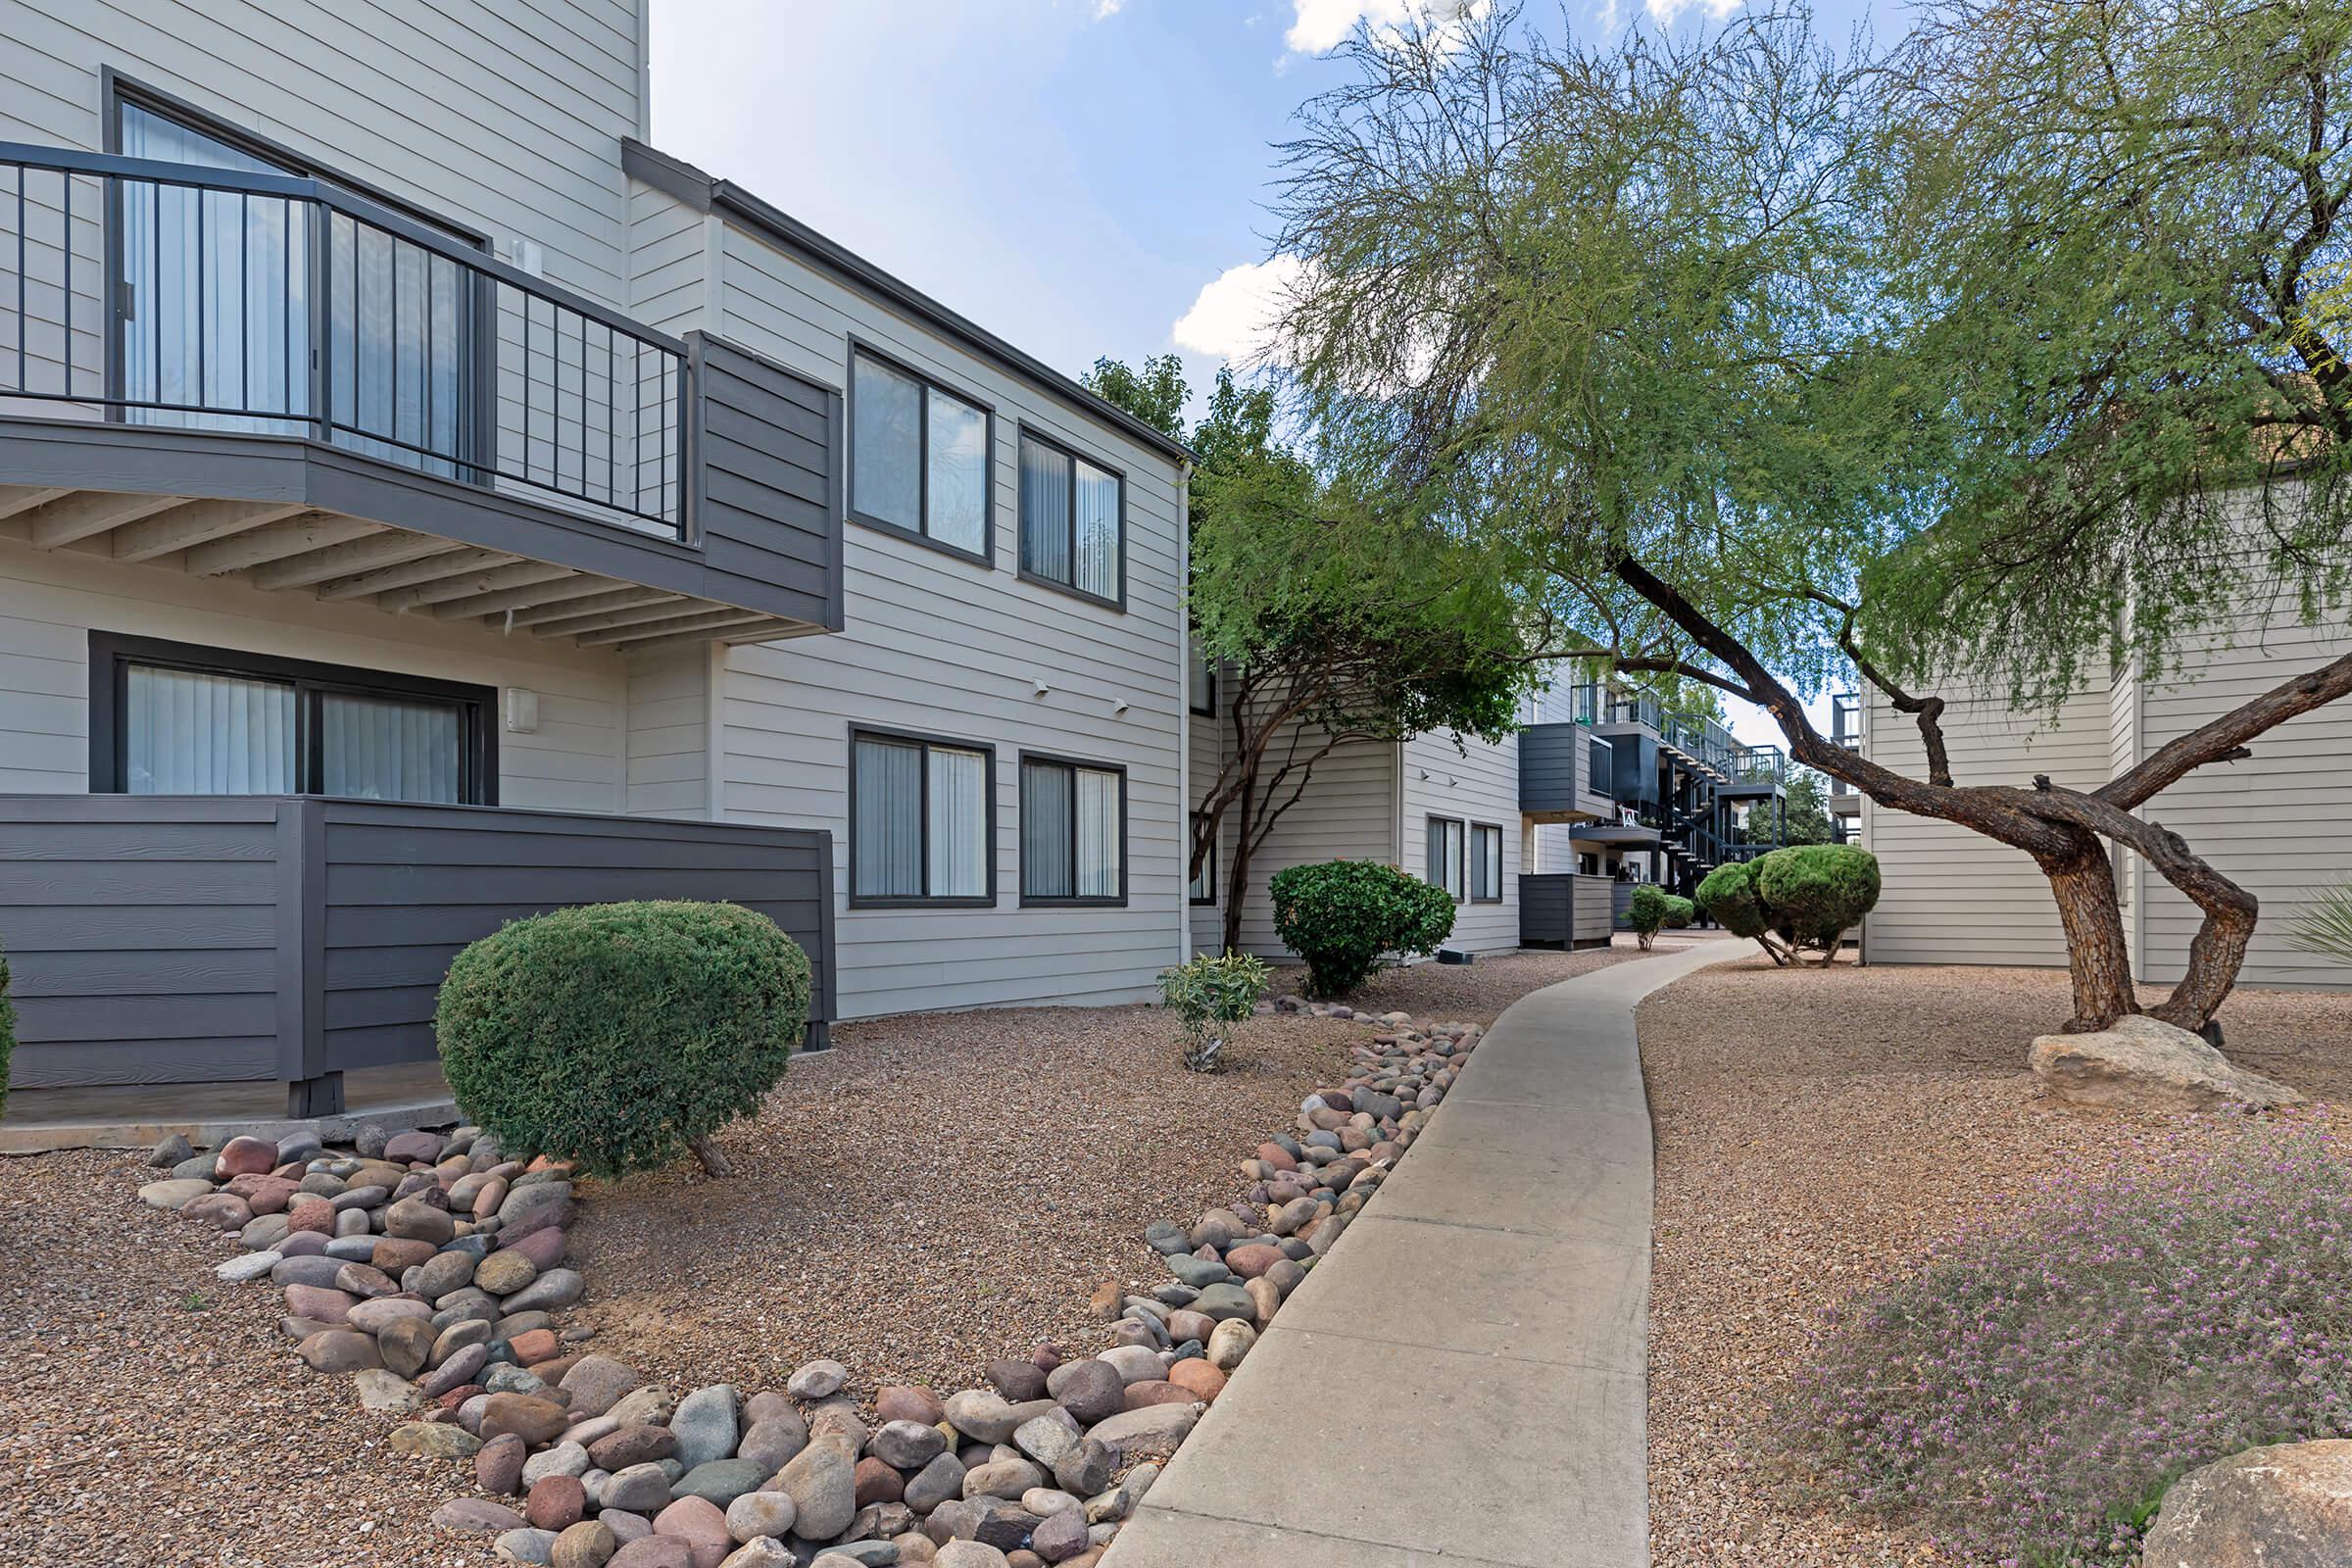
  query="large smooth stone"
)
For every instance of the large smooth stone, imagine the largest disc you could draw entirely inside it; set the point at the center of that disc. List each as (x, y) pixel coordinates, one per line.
(173, 1195)
(704, 1423)
(2285, 1506)
(822, 1483)
(2145, 1065)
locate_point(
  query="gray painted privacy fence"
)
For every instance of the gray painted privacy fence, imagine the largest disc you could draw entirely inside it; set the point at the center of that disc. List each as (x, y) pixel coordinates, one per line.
(1563, 909)
(188, 939)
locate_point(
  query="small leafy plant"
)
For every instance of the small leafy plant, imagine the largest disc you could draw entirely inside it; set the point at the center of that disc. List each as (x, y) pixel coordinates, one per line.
(2029, 1395)
(1680, 912)
(1346, 918)
(1650, 909)
(2324, 928)
(1208, 994)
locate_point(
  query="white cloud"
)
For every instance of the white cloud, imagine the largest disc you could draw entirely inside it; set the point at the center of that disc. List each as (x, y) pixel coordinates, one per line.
(1668, 12)
(1107, 7)
(1322, 24)
(1235, 315)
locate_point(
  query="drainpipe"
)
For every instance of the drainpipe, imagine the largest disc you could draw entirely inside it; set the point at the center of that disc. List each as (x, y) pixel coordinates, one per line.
(1184, 710)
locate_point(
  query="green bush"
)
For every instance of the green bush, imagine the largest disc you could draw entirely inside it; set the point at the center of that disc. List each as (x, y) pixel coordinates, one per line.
(1680, 912)
(1648, 912)
(1729, 896)
(1345, 917)
(1208, 992)
(8, 1030)
(615, 1035)
(1817, 892)
(2324, 928)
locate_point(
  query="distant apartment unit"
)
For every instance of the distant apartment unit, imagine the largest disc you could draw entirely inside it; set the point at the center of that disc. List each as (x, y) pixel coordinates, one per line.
(2279, 823)
(1541, 838)
(422, 502)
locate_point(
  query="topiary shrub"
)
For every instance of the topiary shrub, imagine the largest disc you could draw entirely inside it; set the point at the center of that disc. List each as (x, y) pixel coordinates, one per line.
(1680, 912)
(1729, 896)
(1648, 912)
(1818, 892)
(8, 1030)
(1345, 917)
(2029, 1395)
(615, 1035)
(1208, 992)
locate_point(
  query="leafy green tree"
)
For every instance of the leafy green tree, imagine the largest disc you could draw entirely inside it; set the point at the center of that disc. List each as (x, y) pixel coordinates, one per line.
(1804, 818)
(1755, 363)
(1333, 625)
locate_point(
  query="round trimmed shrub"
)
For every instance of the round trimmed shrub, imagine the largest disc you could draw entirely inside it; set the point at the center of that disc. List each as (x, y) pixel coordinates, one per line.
(1649, 912)
(1729, 896)
(618, 1035)
(1346, 918)
(1818, 892)
(1680, 912)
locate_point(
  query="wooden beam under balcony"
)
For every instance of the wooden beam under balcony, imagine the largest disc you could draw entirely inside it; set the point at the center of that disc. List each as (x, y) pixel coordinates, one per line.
(527, 597)
(521, 575)
(658, 609)
(765, 628)
(16, 498)
(383, 579)
(195, 522)
(275, 541)
(630, 597)
(87, 513)
(659, 631)
(356, 556)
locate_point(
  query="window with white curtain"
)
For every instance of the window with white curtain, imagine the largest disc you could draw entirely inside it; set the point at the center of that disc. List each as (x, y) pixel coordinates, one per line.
(192, 720)
(1447, 853)
(1073, 520)
(921, 821)
(919, 456)
(1073, 832)
(1485, 864)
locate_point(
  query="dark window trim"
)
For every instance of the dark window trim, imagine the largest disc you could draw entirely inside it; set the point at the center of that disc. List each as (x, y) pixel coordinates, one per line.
(1470, 862)
(1030, 901)
(1430, 872)
(112, 653)
(1211, 667)
(119, 89)
(1025, 431)
(985, 556)
(988, 793)
(1207, 897)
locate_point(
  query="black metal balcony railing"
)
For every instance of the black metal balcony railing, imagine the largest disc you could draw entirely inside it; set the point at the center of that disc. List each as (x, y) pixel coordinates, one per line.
(1757, 765)
(1845, 720)
(171, 294)
(1703, 740)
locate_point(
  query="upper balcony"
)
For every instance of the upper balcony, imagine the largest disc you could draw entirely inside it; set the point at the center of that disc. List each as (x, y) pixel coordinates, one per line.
(1566, 774)
(277, 380)
(1754, 772)
(1845, 729)
(1699, 743)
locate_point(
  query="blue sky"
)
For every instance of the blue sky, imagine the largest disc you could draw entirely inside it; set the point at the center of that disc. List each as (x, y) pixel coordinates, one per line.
(1080, 176)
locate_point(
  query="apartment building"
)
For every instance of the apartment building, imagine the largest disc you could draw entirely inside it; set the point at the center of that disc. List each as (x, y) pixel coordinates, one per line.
(2277, 822)
(1541, 837)
(422, 502)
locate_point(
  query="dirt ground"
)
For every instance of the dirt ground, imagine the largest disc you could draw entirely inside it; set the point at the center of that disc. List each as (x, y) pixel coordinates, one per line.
(1816, 1130)
(938, 1192)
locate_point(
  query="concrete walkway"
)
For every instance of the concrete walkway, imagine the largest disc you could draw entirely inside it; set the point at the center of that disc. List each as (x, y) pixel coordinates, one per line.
(1463, 1379)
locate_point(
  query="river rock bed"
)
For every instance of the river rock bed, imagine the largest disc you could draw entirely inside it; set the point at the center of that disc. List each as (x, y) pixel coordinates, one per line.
(429, 1267)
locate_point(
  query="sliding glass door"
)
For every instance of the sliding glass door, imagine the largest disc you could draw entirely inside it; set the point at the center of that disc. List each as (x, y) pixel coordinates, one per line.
(216, 326)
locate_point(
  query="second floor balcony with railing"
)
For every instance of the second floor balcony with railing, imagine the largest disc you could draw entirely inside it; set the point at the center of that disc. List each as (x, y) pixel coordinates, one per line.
(184, 295)
(242, 372)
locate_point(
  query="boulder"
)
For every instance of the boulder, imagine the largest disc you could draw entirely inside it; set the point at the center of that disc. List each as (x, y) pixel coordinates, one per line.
(2144, 1064)
(822, 1482)
(2285, 1506)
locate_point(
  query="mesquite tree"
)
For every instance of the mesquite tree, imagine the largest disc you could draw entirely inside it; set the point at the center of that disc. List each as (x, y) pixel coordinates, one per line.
(1333, 626)
(1979, 366)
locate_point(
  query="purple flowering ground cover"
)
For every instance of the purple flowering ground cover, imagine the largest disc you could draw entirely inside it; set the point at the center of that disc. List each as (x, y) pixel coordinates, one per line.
(2030, 1394)
(1818, 1134)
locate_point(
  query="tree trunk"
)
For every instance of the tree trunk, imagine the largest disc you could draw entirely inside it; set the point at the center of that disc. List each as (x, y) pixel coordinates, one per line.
(1237, 888)
(2084, 884)
(713, 1161)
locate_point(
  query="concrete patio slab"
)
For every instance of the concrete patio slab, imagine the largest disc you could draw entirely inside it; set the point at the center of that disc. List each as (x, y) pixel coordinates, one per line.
(1462, 1379)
